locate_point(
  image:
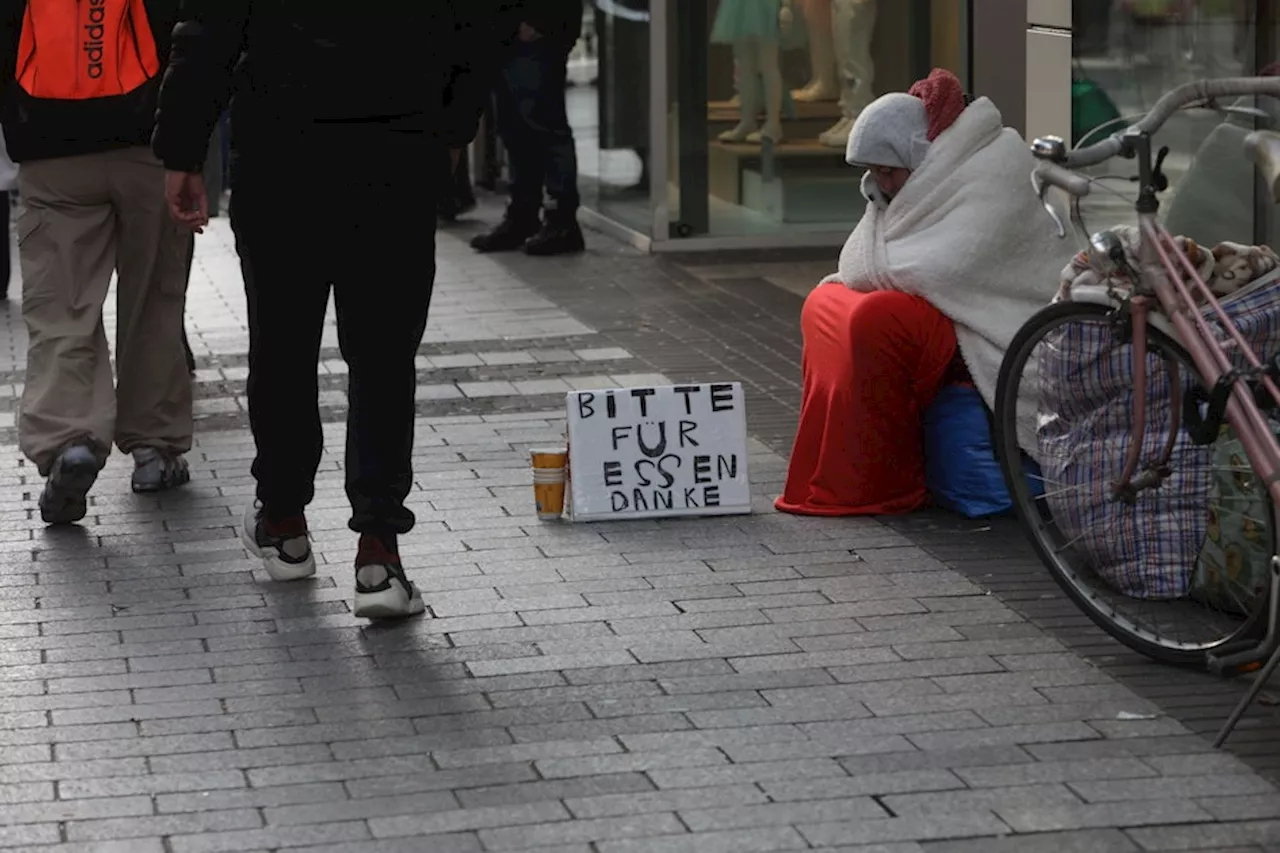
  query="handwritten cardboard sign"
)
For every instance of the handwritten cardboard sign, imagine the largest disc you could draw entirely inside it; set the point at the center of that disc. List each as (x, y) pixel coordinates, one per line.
(665, 451)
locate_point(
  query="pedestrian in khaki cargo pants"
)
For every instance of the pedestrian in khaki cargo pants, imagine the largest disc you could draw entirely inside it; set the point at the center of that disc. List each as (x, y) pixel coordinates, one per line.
(78, 85)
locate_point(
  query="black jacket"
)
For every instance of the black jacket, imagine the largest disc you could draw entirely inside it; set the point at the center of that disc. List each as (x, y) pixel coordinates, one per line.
(41, 129)
(558, 20)
(423, 65)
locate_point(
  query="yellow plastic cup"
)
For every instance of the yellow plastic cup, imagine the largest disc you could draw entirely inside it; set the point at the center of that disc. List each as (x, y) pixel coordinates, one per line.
(549, 481)
(549, 498)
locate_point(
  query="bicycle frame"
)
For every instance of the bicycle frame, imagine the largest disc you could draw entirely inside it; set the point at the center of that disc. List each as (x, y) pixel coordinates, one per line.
(1160, 278)
(1158, 285)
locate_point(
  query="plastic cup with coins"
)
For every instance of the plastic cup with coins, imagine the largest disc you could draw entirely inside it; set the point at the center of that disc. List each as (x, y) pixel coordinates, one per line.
(549, 481)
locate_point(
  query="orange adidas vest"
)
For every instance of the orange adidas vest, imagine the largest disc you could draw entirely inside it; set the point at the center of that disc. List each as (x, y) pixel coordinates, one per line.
(75, 50)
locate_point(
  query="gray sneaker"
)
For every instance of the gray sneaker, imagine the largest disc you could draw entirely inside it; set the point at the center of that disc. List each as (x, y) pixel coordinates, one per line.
(157, 470)
(64, 499)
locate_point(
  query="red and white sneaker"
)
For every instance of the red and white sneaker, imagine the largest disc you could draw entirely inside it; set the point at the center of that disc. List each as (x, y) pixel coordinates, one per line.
(283, 546)
(382, 590)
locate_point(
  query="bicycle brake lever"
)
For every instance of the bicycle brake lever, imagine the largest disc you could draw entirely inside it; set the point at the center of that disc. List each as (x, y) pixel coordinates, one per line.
(1041, 189)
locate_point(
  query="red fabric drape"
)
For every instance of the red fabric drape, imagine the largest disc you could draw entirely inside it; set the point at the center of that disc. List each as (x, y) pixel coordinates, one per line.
(873, 362)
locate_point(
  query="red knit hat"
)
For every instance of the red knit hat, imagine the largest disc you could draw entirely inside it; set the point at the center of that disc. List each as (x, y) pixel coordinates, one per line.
(943, 98)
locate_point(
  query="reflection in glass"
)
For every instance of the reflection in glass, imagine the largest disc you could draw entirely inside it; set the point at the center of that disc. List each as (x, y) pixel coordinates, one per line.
(764, 94)
(608, 107)
(1129, 52)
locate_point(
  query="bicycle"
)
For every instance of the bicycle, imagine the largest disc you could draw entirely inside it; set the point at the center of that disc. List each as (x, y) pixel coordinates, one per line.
(1214, 386)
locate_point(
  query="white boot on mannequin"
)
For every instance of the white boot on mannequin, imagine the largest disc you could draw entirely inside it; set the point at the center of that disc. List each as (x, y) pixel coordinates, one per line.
(837, 136)
(756, 29)
(757, 63)
(823, 82)
(853, 25)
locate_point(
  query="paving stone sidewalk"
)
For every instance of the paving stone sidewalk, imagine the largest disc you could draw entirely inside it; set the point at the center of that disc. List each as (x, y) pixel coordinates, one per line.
(763, 683)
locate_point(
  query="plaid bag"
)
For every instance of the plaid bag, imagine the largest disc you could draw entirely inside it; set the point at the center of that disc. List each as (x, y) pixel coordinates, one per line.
(1150, 549)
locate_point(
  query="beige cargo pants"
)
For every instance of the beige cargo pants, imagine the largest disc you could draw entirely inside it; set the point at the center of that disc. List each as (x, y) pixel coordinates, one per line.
(84, 218)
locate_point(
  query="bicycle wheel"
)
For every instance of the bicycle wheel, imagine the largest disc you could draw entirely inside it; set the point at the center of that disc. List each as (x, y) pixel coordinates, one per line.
(1135, 568)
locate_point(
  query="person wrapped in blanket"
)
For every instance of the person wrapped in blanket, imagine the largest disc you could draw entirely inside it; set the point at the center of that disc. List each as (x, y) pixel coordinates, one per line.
(950, 259)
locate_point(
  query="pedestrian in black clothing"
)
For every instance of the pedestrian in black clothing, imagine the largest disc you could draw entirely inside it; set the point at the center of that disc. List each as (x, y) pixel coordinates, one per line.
(534, 127)
(341, 122)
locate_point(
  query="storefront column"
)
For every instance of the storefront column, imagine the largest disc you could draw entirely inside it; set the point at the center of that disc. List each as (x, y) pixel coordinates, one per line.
(692, 35)
(999, 56)
(1048, 40)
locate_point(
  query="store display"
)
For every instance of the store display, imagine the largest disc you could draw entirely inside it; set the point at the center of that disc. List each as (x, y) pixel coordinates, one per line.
(758, 30)
(823, 83)
(853, 24)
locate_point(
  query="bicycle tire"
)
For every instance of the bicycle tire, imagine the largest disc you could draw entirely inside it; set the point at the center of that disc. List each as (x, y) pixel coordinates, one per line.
(1029, 515)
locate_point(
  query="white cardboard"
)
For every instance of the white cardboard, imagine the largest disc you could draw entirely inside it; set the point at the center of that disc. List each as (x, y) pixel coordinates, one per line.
(658, 452)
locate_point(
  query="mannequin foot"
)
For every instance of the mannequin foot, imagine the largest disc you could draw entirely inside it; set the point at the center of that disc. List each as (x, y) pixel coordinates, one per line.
(817, 90)
(838, 135)
(738, 134)
(771, 132)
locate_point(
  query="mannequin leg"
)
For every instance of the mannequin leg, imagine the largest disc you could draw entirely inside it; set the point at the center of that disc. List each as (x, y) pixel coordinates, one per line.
(823, 85)
(771, 72)
(853, 25)
(748, 59)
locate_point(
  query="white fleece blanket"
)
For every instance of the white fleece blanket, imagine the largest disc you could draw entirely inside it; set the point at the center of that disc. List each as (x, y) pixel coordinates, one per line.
(968, 234)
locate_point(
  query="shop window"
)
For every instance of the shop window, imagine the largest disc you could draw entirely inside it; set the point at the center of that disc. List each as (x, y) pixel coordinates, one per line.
(764, 93)
(1126, 53)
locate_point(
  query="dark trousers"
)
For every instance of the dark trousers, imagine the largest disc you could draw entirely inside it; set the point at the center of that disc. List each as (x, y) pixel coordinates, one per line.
(350, 207)
(534, 127)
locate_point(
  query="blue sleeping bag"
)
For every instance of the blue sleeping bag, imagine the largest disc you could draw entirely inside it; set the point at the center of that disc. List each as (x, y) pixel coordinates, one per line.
(961, 468)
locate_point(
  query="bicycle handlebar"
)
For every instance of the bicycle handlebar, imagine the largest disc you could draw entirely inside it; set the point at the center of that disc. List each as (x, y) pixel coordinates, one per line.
(1170, 103)
(1064, 179)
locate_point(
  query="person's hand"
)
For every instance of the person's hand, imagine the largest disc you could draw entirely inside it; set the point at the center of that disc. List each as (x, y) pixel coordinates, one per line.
(528, 33)
(785, 18)
(188, 202)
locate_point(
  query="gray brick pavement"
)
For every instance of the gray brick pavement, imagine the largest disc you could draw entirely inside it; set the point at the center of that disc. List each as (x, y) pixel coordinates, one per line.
(744, 684)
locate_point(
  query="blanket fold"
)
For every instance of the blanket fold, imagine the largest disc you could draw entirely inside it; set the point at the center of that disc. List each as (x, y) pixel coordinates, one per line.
(968, 234)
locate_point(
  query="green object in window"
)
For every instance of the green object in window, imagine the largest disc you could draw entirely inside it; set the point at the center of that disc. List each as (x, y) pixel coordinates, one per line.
(1091, 107)
(1153, 10)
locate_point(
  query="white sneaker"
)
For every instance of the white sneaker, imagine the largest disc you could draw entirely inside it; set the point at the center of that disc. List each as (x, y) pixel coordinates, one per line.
(286, 556)
(837, 136)
(382, 590)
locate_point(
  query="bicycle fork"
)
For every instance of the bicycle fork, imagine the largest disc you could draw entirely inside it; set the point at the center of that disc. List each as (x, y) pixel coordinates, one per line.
(1128, 486)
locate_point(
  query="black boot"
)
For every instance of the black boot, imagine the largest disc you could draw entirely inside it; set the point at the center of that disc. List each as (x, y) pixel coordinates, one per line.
(510, 234)
(560, 235)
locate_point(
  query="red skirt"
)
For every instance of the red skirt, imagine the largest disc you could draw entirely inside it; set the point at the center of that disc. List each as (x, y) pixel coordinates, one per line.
(873, 362)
